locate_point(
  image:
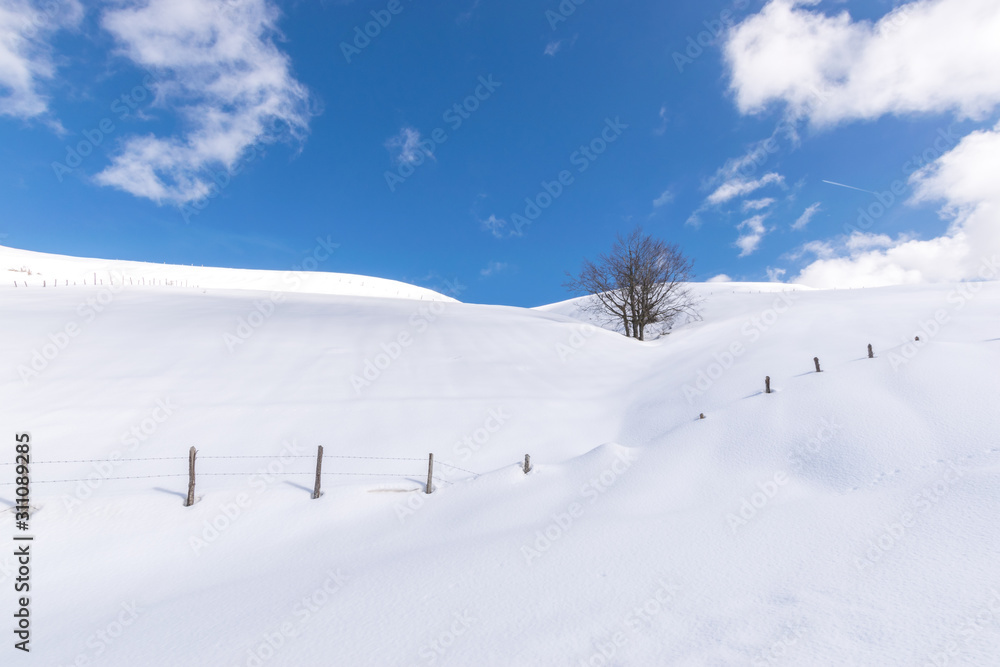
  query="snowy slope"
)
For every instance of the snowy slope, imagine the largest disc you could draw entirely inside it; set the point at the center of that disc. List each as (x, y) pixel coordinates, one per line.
(848, 518)
(26, 268)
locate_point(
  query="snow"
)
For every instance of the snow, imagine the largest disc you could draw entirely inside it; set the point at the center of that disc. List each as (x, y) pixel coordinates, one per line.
(27, 268)
(848, 518)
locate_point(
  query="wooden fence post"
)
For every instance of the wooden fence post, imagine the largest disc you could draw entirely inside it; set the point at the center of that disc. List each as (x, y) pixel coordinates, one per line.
(430, 475)
(767, 385)
(816, 361)
(527, 463)
(319, 472)
(871, 352)
(190, 499)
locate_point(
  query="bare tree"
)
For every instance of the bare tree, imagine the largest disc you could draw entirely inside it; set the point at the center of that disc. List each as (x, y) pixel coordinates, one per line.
(641, 282)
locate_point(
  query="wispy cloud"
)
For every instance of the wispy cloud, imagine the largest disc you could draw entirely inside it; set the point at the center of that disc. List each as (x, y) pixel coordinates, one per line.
(750, 240)
(757, 204)
(493, 268)
(665, 198)
(498, 227)
(775, 275)
(26, 29)
(552, 48)
(217, 66)
(737, 187)
(662, 128)
(807, 215)
(467, 15)
(406, 147)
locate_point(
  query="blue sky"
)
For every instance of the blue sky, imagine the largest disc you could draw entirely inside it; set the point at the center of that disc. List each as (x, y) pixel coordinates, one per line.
(653, 113)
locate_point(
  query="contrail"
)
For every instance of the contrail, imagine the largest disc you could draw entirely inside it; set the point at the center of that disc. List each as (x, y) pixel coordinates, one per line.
(850, 186)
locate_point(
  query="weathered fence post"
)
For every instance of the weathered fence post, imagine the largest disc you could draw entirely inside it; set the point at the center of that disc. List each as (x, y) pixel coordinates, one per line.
(319, 472)
(816, 361)
(527, 463)
(871, 352)
(767, 385)
(190, 499)
(701, 416)
(430, 475)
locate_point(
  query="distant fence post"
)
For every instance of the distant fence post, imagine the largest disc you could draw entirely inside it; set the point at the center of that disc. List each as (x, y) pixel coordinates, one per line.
(816, 361)
(527, 463)
(190, 499)
(430, 475)
(767, 385)
(319, 472)
(871, 352)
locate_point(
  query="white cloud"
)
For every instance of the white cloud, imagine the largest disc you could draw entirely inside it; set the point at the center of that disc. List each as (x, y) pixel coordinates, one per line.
(721, 278)
(737, 187)
(217, 66)
(750, 240)
(552, 48)
(659, 131)
(665, 198)
(757, 204)
(965, 179)
(407, 147)
(25, 52)
(807, 215)
(922, 57)
(775, 275)
(493, 268)
(498, 227)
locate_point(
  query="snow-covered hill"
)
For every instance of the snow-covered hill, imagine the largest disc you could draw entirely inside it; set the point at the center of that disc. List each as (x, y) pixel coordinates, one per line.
(25, 268)
(847, 518)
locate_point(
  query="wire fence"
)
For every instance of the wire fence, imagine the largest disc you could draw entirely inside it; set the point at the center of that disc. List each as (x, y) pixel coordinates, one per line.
(98, 476)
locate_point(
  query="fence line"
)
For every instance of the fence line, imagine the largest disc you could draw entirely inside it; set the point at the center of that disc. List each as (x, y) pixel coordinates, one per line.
(101, 478)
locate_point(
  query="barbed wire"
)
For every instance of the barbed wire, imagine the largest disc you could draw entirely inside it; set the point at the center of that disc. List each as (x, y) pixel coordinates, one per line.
(457, 468)
(419, 475)
(208, 458)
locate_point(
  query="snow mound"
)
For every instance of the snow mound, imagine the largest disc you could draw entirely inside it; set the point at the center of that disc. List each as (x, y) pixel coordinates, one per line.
(25, 268)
